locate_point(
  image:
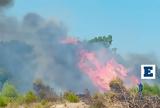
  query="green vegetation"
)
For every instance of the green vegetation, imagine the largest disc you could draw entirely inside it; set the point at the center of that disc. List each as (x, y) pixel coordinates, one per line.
(148, 90)
(8, 94)
(42, 95)
(153, 90)
(9, 91)
(104, 40)
(30, 97)
(71, 97)
(3, 101)
(118, 95)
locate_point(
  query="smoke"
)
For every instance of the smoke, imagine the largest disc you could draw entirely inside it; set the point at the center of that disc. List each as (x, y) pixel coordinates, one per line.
(134, 61)
(39, 48)
(102, 68)
(16, 61)
(5, 3)
(32, 49)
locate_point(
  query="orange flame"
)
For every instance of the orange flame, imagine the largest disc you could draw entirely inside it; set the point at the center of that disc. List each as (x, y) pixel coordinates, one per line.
(135, 80)
(69, 40)
(101, 73)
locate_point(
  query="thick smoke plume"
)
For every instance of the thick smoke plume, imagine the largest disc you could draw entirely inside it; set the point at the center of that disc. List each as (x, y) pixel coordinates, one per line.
(5, 3)
(32, 49)
(36, 48)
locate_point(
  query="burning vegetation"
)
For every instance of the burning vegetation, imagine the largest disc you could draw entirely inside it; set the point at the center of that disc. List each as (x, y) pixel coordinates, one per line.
(106, 74)
(42, 67)
(117, 97)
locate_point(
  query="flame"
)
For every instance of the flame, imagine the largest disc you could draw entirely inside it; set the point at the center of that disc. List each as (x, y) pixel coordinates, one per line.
(135, 80)
(69, 40)
(100, 73)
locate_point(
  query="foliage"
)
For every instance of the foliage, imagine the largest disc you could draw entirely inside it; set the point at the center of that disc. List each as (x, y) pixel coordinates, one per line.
(39, 88)
(43, 91)
(3, 101)
(151, 89)
(44, 102)
(133, 91)
(116, 85)
(97, 101)
(104, 40)
(20, 99)
(71, 97)
(30, 97)
(9, 91)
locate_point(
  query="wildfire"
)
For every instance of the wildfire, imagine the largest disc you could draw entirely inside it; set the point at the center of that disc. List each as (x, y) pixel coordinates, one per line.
(94, 64)
(69, 40)
(101, 73)
(135, 80)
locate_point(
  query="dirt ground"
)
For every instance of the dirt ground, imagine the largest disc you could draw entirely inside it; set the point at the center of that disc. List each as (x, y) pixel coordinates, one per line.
(71, 105)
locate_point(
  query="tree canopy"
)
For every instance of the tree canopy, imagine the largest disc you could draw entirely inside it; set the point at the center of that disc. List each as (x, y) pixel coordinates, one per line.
(105, 40)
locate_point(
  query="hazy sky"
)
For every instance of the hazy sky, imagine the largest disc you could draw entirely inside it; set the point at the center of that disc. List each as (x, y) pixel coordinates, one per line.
(134, 24)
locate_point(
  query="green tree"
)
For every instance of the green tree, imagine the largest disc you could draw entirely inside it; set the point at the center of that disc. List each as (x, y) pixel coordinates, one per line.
(3, 101)
(30, 97)
(104, 40)
(151, 89)
(9, 90)
(71, 97)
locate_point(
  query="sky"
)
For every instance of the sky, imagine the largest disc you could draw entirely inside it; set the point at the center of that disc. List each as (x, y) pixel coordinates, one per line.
(134, 24)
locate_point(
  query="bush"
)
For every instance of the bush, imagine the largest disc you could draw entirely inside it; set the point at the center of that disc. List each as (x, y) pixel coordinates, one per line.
(30, 97)
(43, 91)
(71, 97)
(9, 91)
(151, 89)
(44, 102)
(97, 101)
(133, 91)
(20, 99)
(117, 86)
(3, 101)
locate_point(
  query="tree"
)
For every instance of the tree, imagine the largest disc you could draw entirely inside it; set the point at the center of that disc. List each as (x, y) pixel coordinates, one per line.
(104, 40)
(151, 89)
(9, 90)
(71, 97)
(43, 91)
(30, 97)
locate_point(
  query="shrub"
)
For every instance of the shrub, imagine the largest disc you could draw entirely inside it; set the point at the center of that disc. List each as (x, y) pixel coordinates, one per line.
(97, 101)
(43, 91)
(20, 99)
(30, 97)
(71, 97)
(116, 85)
(151, 89)
(3, 101)
(9, 91)
(133, 91)
(44, 102)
